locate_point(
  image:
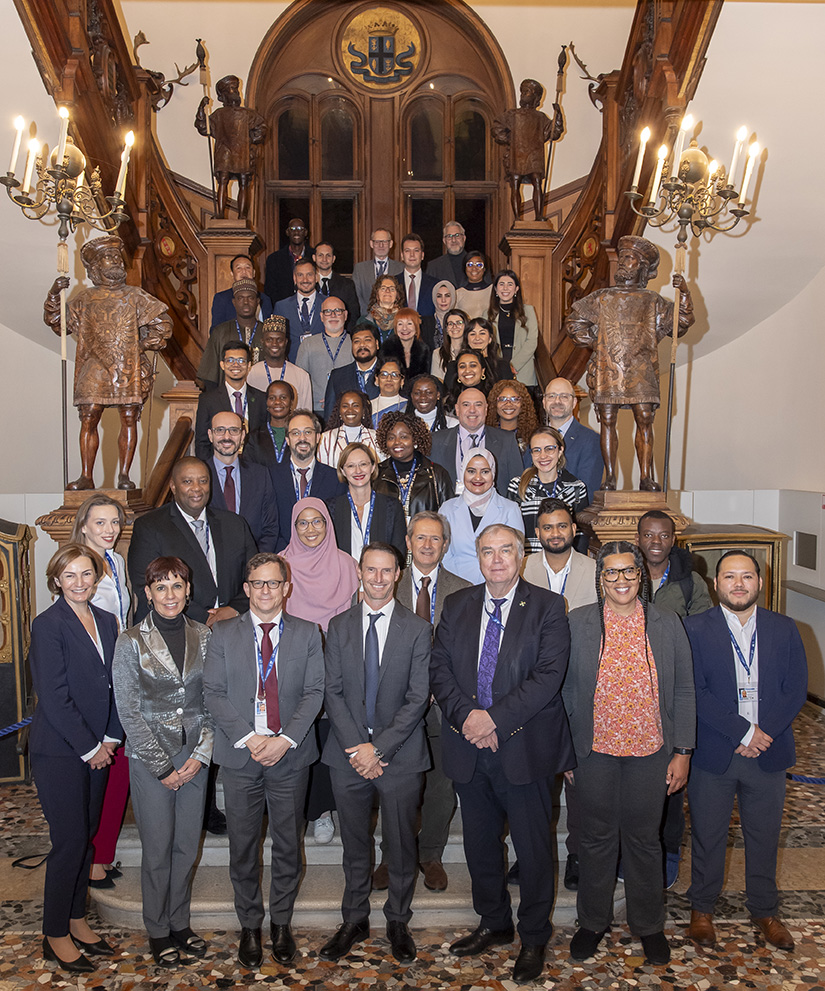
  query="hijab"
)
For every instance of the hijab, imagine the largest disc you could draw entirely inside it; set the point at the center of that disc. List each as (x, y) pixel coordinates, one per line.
(477, 504)
(323, 578)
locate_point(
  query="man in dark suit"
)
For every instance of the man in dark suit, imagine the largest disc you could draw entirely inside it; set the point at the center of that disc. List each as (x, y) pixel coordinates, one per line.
(234, 396)
(416, 285)
(244, 326)
(582, 446)
(278, 278)
(751, 679)
(332, 284)
(303, 309)
(450, 445)
(263, 682)
(365, 273)
(301, 474)
(241, 267)
(450, 265)
(214, 543)
(377, 685)
(239, 486)
(499, 659)
(359, 375)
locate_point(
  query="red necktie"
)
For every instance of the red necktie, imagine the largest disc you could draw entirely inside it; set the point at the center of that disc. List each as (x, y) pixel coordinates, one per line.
(238, 404)
(303, 472)
(411, 293)
(270, 687)
(229, 495)
(422, 604)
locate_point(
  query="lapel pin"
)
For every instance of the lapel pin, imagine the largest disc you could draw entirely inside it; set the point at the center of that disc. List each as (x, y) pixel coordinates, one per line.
(522, 603)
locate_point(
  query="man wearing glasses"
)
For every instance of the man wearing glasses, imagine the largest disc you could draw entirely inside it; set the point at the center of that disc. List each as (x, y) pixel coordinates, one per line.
(234, 396)
(582, 448)
(365, 273)
(450, 265)
(264, 685)
(320, 353)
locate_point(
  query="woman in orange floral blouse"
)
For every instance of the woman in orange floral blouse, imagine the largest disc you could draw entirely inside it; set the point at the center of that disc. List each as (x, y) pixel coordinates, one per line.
(630, 701)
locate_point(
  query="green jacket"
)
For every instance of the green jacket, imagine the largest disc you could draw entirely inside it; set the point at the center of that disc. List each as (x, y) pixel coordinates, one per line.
(685, 592)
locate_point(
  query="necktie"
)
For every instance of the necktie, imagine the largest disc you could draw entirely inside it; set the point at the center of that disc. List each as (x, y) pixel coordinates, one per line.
(200, 532)
(325, 286)
(411, 293)
(474, 440)
(270, 687)
(305, 316)
(303, 483)
(380, 268)
(238, 404)
(371, 668)
(489, 656)
(422, 604)
(229, 495)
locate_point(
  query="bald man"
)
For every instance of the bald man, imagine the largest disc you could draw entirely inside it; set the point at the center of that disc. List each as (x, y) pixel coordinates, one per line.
(582, 448)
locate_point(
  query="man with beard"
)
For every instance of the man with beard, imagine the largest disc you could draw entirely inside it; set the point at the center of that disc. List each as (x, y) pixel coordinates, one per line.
(358, 375)
(274, 367)
(751, 678)
(623, 324)
(450, 265)
(235, 395)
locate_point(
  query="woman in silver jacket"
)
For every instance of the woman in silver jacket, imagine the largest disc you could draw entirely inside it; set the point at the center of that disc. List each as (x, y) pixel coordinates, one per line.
(158, 681)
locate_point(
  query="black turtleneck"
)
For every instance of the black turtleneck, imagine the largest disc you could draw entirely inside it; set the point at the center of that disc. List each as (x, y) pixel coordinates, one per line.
(173, 632)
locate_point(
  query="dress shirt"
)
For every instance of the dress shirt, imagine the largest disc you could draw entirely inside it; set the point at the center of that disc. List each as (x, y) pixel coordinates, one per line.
(462, 446)
(99, 647)
(296, 478)
(487, 612)
(231, 390)
(382, 628)
(416, 584)
(557, 581)
(416, 286)
(748, 709)
(220, 468)
(565, 426)
(261, 728)
(210, 554)
(310, 301)
(379, 263)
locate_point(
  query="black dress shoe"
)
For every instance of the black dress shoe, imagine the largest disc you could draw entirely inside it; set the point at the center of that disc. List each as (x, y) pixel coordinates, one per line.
(99, 947)
(101, 882)
(401, 942)
(283, 944)
(530, 963)
(250, 951)
(79, 966)
(584, 943)
(479, 939)
(114, 872)
(657, 951)
(216, 822)
(571, 873)
(513, 875)
(342, 942)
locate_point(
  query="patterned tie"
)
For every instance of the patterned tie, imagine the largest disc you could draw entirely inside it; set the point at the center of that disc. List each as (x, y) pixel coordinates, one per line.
(238, 403)
(422, 604)
(302, 485)
(489, 656)
(411, 293)
(380, 268)
(371, 668)
(325, 286)
(305, 316)
(270, 688)
(200, 532)
(229, 495)
(474, 440)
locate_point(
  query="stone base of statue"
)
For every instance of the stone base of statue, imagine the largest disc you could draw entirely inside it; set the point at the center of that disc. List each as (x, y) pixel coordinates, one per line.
(59, 522)
(616, 515)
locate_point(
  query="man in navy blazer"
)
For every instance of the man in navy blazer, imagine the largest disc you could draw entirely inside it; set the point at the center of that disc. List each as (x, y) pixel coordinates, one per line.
(751, 679)
(359, 376)
(233, 395)
(499, 659)
(582, 446)
(412, 251)
(241, 267)
(303, 320)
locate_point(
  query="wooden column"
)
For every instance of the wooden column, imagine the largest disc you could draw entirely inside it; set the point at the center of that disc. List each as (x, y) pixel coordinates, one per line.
(223, 239)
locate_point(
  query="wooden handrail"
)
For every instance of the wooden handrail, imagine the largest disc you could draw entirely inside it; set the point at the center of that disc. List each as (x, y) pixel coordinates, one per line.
(157, 488)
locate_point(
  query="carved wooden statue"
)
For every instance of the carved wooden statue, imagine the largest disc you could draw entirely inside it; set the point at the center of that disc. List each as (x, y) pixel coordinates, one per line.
(624, 324)
(115, 326)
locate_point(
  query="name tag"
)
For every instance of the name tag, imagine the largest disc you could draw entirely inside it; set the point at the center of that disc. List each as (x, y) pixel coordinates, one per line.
(305, 336)
(260, 708)
(748, 695)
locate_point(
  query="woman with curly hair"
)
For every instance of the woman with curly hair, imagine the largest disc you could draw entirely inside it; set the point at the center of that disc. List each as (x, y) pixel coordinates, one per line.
(631, 704)
(510, 407)
(405, 344)
(516, 325)
(455, 322)
(407, 473)
(350, 421)
(386, 298)
(426, 403)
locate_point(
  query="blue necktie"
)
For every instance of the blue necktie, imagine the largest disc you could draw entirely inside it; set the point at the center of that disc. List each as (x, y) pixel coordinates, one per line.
(305, 316)
(489, 656)
(381, 267)
(371, 668)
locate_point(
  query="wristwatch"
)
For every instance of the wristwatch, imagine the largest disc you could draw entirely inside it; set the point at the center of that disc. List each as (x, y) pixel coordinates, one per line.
(685, 751)
(378, 753)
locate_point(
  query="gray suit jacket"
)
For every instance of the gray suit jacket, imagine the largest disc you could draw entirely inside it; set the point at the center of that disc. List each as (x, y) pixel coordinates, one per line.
(403, 691)
(580, 589)
(230, 681)
(501, 443)
(363, 275)
(447, 584)
(157, 704)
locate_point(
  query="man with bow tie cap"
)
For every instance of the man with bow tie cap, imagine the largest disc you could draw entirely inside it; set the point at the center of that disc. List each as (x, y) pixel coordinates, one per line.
(499, 659)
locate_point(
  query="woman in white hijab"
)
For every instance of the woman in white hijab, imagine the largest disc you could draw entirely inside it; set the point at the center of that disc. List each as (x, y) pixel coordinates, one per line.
(478, 506)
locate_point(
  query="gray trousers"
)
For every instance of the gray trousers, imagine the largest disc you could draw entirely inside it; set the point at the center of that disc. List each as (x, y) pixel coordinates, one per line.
(169, 824)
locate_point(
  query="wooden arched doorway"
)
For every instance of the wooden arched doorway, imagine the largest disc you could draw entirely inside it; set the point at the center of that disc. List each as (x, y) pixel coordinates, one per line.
(380, 115)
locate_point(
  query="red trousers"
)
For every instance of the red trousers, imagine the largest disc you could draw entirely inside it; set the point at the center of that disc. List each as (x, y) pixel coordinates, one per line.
(114, 808)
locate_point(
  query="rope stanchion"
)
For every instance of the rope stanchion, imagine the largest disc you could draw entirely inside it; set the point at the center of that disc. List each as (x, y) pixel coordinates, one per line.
(6, 731)
(804, 779)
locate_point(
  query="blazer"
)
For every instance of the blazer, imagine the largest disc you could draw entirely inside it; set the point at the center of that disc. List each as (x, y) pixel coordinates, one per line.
(258, 505)
(288, 308)
(674, 671)
(163, 710)
(75, 704)
(426, 306)
(403, 691)
(461, 556)
(209, 368)
(388, 524)
(583, 456)
(344, 289)
(534, 739)
(580, 589)
(279, 280)
(164, 532)
(444, 268)
(501, 443)
(345, 379)
(230, 681)
(363, 275)
(223, 308)
(217, 401)
(525, 341)
(783, 685)
(325, 486)
(446, 584)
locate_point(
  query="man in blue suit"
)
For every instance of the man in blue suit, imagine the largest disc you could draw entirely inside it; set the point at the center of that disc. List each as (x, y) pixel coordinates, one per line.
(582, 447)
(303, 310)
(359, 375)
(751, 679)
(416, 285)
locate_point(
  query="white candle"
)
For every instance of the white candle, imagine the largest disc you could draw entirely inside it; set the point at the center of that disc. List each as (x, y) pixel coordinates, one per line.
(645, 137)
(686, 125)
(19, 124)
(657, 178)
(64, 132)
(63, 354)
(741, 135)
(753, 151)
(120, 186)
(34, 151)
(713, 168)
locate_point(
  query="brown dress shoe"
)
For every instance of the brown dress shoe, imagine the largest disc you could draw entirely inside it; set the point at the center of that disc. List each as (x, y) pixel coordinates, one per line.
(774, 932)
(381, 877)
(435, 877)
(700, 929)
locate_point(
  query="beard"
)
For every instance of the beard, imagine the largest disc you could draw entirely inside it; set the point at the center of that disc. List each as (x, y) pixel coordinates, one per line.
(562, 548)
(739, 605)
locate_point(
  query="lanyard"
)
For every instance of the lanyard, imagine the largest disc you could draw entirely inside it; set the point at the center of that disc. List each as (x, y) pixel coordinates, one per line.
(492, 619)
(241, 336)
(362, 376)
(664, 578)
(274, 653)
(279, 455)
(543, 487)
(365, 533)
(111, 562)
(297, 485)
(405, 491)
(269, 376)
(740, 655)
(332, 356)
(417, 590)
(482, 437)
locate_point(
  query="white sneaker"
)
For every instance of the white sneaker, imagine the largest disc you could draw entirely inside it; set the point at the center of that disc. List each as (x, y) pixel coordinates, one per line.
(324, 828)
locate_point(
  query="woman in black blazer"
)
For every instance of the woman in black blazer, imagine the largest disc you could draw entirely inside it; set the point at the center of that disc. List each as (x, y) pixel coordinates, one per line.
(363, 514)
(74, 732)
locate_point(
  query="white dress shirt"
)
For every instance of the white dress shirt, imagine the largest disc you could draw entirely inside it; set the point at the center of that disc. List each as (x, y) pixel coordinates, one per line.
(557, 581)
(747, 685)
(382, 626)
(487, 612)
(261, 727)
(210, 553)
(416, 282)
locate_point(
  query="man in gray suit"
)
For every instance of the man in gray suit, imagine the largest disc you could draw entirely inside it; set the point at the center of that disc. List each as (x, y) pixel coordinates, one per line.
(377, 687)
(264, 685)
(365, 273)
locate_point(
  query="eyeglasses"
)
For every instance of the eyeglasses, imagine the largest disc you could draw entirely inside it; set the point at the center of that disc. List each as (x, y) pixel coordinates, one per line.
(336, 312)
(392, 289)
(508, 401)
(232, 431)
(296, 230)
(317, 524)
(273, 583)
(455, 323)
(359, 466)
(612, 574)
(382, 242)
(453, 237)
(558, 395)
(236, 361)
(550, 449)
(474, 265)
(296, 432)
(389, 375)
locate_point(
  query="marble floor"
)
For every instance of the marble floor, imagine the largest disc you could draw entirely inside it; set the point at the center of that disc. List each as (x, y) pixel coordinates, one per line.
(740, 959)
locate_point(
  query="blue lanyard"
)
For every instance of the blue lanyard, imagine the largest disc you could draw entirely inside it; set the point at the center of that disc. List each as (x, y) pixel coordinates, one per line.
(362, 376)
(482, 436)
(297, 485)
(274, 652)
(116, 577)
(241, 336)
(269, 377)
(279, 455)
(401, 489)
(332, 356)
(664, 578)
(417, 590)
(492, 619)
(365, 534)
(543, 487)
(740, 655)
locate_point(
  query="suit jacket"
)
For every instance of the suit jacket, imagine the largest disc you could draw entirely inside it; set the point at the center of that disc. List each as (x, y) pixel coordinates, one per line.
(501, 443)
(580, 589)
(325, 486)
(388, 523)
(279, 281)
(230, 681)
(258, 504)
(444, 268)
(224, 309)
(363, 275)
(534, 739)
(209, 367)
(445, 585)
(345, 379)
(403, 691)
(426, 284)
(671, 655)
(75, 703)
(217, 401)
(583, 454)
(461, 555)
(288, 308)
(164, 532)
(524, 347)
(162, 707)
(783, 682)
(344, 289)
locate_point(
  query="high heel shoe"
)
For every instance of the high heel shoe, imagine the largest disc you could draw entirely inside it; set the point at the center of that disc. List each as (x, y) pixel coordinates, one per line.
(99, 947)
(79, 966)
